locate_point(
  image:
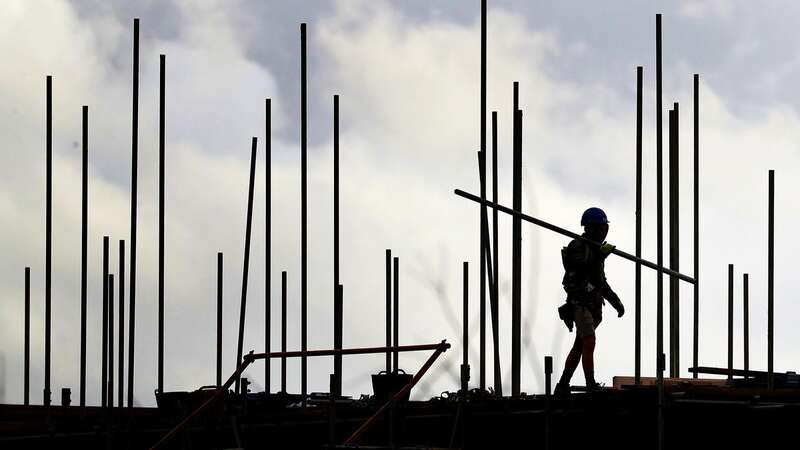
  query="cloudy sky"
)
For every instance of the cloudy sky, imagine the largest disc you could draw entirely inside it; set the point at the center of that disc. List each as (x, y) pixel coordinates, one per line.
(408, 77)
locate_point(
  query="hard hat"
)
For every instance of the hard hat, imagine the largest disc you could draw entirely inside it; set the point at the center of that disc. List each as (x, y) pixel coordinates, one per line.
(594, 216)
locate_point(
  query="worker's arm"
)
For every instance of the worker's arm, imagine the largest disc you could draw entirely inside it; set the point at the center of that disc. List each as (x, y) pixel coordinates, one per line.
(612, 298)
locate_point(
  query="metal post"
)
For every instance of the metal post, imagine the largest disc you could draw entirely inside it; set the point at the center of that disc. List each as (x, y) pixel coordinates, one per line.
(674, 244)
(84, 237)
(516, 242)
(396, 299)
(162, 69)
(268, 251)
(246, 265)
(465, 333)
(48, 238)
(27, 381)
(337, 331)
(283, 330)
(121, 276)
(388, 309)
(303, 214)
(746, 320)
(111, 349)
(770, 280)
(659, 241)
(498, 381)
(696, 334)
(548, 373)
(104, 370)
(483, 222)
(730, 321)
(337, 339)
(638, 274)
(219, 318)
(134, 171)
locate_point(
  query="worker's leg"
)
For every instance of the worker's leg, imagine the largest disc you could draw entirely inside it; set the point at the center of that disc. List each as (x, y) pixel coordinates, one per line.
(573, 358)
(588, 358)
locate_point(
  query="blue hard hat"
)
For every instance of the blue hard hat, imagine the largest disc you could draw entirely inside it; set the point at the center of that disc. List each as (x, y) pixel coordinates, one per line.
(594, 216)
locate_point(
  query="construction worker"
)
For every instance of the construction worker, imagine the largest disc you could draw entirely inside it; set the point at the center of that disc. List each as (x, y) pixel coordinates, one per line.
(586, 287)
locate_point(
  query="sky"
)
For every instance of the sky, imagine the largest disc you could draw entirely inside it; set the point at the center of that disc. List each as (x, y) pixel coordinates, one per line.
(407, 74)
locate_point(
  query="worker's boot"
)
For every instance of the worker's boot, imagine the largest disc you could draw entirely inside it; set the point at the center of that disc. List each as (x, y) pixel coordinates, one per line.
(562, 389)
(593, 386)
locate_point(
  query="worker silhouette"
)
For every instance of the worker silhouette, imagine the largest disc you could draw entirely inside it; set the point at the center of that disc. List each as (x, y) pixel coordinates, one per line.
(586, 287)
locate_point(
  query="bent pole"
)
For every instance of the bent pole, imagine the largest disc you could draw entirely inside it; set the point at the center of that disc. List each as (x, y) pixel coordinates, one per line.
(568, 233)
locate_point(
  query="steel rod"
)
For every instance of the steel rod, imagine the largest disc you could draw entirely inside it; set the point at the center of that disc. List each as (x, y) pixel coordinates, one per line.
(27, 380)
(396, 314)
(110, 281)
(495, 298)
(337, 340)
(161, 181)
(465, 332)
(674, 238)
(121, 276)
(219, 318)
(388, 309)
(730, 321)
(104, 370)
(303, 214)
(134, 189)
(84, 240)
(562, 231)
(337, 324)
(268, 251)
(746, 321)
(516, 243)
(283, 330)
(638, 273)
(696, 331)
(659, 241)
(770, 280)
(246, 265)
(346, 351)
(483, 214)
(48, 239)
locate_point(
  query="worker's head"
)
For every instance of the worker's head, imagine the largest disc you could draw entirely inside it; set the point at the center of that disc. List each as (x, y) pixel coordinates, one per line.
(595, 224)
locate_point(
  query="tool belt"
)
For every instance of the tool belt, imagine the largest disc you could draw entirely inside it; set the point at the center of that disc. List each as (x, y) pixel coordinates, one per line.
(566, 312)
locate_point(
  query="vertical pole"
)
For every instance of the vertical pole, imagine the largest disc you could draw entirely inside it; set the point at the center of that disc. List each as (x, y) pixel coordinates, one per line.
(121, 275)
(48, 239)
(246, 265)
(516, 273)
(730, 321)
(465, 333)
(696, 286)
(219, 318)
(337, 340)
(337, 331)
(396, 298)
(134, 172)
(770, 281)
(303, 214)
(674, 235)
(659, 242)
(548, 373)
(746, 324)
(27, 382)
(84, 237)
(283, 330)
(638, 274)
(484, 223)
(498, 381)
(111, 349)
(104, 370)
(162, 69)
(388, 309)
(268, 256)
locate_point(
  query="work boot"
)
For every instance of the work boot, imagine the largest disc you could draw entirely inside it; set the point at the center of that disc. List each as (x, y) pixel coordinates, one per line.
(593, 386)
(562, 390)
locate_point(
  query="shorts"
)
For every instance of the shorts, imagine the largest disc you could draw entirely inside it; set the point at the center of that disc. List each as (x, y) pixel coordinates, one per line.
(587, 319)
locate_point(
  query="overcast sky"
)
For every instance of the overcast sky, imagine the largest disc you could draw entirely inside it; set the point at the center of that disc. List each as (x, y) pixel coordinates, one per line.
(408, 77)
